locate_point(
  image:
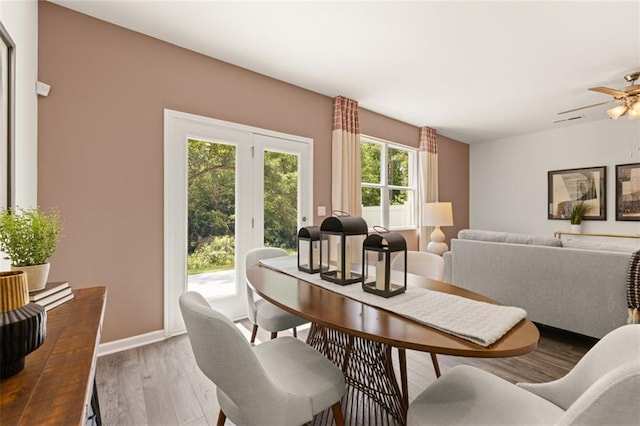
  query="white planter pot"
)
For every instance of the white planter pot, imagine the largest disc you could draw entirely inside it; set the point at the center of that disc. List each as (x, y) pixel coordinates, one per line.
(576, 228)
(36, 275)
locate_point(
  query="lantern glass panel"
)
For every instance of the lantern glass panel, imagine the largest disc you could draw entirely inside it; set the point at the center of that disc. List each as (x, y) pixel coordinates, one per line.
(304, 253)
(376, 269)
(315, 252)
(342, 256)
(398, 271)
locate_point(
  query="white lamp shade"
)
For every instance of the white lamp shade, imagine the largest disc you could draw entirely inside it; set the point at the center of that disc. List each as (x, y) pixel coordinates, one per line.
(437, 214)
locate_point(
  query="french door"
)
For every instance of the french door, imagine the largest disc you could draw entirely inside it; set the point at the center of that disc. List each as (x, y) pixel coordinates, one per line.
(228, 188)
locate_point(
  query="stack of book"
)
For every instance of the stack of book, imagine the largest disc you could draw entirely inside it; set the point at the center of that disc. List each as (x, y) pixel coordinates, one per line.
(52, 295)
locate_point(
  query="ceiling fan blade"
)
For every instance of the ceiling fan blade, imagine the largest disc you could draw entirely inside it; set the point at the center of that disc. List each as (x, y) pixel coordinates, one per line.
(588, 106)
(608, 91)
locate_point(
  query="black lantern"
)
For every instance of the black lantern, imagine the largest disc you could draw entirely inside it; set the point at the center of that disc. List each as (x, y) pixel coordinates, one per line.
(377, 251)
(309, 249)
(341, 240)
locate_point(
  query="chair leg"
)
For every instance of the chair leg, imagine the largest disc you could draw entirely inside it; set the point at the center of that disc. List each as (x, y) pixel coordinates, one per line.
(254, 332)
(221, 418)
(295, 333)
(337, 414)
(436, 367)
(274, 334)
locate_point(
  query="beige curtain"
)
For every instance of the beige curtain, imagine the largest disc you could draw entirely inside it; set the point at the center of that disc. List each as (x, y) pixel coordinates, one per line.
(345, 157)
(428, 178)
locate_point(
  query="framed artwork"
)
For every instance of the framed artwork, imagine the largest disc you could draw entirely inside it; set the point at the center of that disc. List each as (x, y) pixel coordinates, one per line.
(566, 187)
(628, 191)
(7, 102)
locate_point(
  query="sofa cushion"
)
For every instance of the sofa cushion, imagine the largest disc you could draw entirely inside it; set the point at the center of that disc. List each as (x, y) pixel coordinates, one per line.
(581, 243)
(508, 237)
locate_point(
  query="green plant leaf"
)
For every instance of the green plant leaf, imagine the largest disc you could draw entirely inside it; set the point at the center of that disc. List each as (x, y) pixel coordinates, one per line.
(28, 236)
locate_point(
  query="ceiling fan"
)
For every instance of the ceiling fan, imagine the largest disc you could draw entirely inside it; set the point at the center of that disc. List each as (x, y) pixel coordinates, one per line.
(629, 99)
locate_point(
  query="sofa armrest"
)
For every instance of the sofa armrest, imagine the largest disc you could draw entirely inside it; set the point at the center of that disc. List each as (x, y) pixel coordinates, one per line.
(448, 265)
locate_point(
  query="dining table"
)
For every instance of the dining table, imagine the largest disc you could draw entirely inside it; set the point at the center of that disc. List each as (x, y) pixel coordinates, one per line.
(359, 338)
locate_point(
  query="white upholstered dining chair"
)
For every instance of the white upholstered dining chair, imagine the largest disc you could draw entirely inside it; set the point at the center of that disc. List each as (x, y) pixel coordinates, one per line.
(427, 265)
(262, 313)
(421, 263)
(602, 389)
(280, 382)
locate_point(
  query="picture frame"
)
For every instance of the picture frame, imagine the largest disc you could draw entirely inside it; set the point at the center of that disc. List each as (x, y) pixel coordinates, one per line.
(566, 187)
(7, 117)
(628, 192)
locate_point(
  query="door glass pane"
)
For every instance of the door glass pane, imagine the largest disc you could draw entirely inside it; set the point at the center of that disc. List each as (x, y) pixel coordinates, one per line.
(211, 207)
(401, 208)
(371, 206)
(281, 200)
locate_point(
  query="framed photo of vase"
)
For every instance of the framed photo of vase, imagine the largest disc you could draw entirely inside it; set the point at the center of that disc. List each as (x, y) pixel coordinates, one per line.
(566, 187)
(628, 191)
(7, 102)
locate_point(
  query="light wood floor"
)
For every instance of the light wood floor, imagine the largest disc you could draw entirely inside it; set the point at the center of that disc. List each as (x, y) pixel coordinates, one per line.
(160, 384)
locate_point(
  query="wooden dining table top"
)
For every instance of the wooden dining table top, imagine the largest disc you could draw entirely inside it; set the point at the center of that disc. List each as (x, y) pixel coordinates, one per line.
(333, 310)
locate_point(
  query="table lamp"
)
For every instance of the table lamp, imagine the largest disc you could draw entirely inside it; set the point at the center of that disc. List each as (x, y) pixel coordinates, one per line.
(437, 214)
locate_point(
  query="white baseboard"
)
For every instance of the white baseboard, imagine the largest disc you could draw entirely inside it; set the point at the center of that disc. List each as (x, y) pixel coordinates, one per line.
(130, 342)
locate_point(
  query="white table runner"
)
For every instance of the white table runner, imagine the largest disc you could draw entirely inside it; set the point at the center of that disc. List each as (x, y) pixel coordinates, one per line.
(479, 322)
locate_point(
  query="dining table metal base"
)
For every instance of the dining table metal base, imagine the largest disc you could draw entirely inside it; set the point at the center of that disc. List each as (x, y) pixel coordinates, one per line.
(373, 395)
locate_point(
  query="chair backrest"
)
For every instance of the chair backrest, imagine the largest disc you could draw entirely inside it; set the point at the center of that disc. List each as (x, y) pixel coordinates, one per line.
(225, 356)
(619, 347)
(252, 258)
(421, 263)
(612, 399)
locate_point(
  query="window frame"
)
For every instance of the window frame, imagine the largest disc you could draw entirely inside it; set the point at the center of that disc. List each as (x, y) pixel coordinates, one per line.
(384, 185)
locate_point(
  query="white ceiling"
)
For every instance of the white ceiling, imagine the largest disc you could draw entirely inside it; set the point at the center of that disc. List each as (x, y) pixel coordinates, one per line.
(474, 71)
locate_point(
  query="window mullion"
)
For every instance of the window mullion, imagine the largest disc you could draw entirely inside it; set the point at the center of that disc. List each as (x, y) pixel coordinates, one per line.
(384, 197)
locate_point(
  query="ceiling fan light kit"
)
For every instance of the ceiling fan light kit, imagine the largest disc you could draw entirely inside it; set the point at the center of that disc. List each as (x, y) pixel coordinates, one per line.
(617, 112)
(629, 99)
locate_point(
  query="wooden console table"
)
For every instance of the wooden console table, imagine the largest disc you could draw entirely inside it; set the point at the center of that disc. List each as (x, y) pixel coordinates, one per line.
(57, 385)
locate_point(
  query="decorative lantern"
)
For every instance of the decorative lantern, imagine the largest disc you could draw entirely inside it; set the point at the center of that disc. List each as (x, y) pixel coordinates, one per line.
(309, 249)
(341, 240)
(378, 277)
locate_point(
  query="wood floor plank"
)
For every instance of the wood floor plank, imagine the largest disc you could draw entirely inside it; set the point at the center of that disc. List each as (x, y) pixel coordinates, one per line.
(131, 402)
(131, 411)
(159, 405)
(185, 401)
(107, 383)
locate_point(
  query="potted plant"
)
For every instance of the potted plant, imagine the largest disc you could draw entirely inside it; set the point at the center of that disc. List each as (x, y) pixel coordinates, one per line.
(579, 210)
(29, 237)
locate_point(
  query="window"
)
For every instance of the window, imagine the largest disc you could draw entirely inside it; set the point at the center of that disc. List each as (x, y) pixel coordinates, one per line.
(388, 181)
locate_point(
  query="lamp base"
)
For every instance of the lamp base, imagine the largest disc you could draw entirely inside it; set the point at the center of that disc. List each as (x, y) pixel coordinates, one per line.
(437, 244)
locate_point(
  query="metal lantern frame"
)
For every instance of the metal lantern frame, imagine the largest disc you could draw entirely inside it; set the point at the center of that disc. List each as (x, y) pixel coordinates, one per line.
(309, 235)
(346, 228)
(384, 245)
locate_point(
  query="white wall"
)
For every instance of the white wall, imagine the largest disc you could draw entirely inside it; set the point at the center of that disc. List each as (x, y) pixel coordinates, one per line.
(20, 18)
(508, 188)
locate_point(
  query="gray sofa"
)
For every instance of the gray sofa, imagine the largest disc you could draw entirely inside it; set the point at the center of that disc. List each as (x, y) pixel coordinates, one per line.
(576, 289)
